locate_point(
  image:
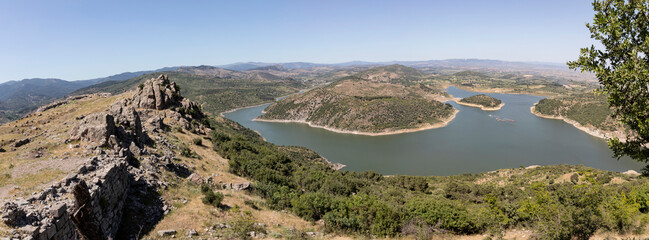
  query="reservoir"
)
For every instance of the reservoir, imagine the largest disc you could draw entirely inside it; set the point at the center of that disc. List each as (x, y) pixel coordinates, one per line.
(475, 141)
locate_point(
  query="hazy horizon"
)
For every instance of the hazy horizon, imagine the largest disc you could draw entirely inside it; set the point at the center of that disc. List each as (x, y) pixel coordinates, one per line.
(553, 64)
(86, 40)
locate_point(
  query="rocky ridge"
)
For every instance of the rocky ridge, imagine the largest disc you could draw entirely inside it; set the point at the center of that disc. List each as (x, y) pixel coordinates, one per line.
(89, 203)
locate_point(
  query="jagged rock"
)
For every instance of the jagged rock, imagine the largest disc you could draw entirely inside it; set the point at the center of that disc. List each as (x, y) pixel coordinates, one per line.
(58, 210)
(190, 108)
(21, 142)
(185, 124)
(195, 178)
(156, 122)
(95, 128)
(167, 232)
(241, 186)
(192, 232)
(12, 214)
(135, 150)
(128, 122)
(157, 93)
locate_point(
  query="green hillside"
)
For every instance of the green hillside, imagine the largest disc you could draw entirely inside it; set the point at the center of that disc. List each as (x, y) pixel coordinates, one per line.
(587, 109)
(215, 94)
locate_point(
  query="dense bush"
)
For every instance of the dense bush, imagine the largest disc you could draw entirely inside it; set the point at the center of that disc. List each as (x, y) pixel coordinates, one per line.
(187, 152)
(210, 197)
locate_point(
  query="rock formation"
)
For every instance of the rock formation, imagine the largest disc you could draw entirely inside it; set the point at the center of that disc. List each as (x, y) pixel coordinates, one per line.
(89, 203)
(95, 128)
(157, 93)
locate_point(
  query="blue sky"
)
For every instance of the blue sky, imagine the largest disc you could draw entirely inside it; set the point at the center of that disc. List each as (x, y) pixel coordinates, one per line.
(79, 39)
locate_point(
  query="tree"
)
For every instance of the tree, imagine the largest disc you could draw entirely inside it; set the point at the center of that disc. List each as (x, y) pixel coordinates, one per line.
(622, 68)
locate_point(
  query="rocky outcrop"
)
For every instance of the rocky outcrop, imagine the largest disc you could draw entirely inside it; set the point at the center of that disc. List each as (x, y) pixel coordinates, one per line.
(129, 124)
(94, 214)
(20, 143)
(124, 177)
(95, 128)
(157, 93)
(117, 129)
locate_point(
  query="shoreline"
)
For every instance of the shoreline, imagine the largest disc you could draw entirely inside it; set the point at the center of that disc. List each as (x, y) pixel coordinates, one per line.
(239, 108)
(591, 131)
(501, 91)
(496, 108)
(443, 123)
(276, 99)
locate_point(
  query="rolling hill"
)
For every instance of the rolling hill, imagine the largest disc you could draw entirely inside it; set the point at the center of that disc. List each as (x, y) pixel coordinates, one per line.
(380, 100)
(215, 89)
(18, 98)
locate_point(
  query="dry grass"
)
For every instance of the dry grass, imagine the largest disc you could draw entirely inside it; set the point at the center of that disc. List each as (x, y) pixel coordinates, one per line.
(198, 216)
(47, 131)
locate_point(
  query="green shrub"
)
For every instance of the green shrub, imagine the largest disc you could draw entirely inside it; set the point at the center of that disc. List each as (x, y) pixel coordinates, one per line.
(210, 197)
(197, 141)
(448, 215)
(312, 206)
(242, 223)
(187, 152)
(251, 204)
(619, 213)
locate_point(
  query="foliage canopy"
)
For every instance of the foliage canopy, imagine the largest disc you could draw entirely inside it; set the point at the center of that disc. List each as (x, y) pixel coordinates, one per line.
(622, 67)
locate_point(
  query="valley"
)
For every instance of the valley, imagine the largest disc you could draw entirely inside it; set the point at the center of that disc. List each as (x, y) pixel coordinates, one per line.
(261, 179)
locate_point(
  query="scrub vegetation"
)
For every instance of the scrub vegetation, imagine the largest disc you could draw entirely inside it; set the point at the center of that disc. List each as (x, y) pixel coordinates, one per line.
(587, 109)
(558, 202)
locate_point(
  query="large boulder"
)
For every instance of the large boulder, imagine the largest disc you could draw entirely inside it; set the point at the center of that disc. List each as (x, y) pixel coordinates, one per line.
(157, 93)
(127, 120)
(95, 128)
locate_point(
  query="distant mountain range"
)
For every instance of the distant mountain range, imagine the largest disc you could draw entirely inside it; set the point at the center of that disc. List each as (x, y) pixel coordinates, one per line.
(450, 63)
(20, 97)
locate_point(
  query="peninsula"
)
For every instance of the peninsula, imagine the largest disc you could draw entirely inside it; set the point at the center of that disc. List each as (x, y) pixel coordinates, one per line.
(587, 112)
(379, 101)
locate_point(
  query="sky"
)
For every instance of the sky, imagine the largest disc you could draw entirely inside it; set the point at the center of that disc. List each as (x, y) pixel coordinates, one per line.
(78, 39)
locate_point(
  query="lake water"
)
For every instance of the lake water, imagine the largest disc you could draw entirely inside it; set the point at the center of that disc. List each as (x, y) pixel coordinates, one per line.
(475, 141)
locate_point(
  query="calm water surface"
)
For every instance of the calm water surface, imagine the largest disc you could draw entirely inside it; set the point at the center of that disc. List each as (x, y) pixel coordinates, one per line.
(475, 141)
